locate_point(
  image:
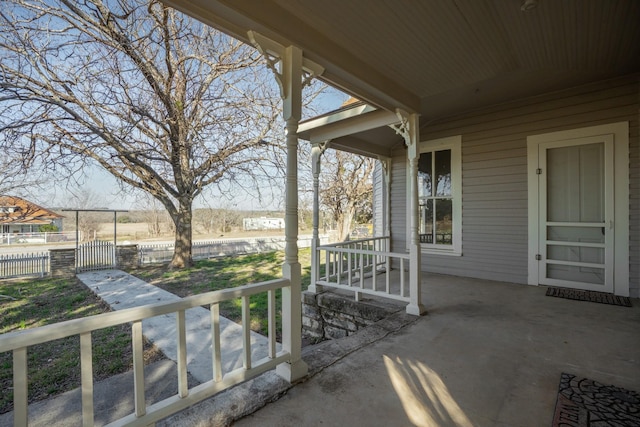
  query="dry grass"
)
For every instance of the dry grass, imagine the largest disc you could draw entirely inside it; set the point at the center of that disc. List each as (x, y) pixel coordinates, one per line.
(54, 367)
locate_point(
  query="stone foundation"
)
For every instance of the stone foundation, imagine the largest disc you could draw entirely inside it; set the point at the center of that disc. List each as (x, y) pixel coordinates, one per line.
(328, 315)
(62, 262)
(127, 257)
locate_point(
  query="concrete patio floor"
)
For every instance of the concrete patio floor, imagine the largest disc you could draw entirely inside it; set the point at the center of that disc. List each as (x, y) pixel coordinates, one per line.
(486, 354)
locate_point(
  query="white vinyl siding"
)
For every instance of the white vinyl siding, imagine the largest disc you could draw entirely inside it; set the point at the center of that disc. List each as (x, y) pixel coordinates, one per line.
(379, 200)
(494, 176)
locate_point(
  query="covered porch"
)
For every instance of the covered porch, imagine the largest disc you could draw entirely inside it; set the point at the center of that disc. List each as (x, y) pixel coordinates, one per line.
(488, 354)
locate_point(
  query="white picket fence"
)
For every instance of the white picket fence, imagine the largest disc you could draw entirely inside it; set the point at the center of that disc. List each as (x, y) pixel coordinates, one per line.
(38, 237)
(99, 255)
(95, 255)
(20, 265)
(156, 253)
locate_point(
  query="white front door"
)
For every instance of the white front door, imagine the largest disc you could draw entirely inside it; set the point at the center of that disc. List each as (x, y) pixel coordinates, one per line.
(578, 209)
(576, 213)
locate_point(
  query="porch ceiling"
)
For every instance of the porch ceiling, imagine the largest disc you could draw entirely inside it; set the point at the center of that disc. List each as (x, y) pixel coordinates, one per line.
(438, 57)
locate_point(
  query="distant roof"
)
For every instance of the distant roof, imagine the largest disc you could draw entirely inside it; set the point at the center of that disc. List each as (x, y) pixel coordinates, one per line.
(16, 210)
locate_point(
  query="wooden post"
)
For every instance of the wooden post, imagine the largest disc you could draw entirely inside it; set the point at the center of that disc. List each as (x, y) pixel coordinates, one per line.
(410, 131)
(316, 154)
(292, 72)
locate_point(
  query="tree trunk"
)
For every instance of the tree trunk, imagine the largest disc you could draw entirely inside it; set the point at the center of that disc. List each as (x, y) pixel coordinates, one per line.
(182, 255)
(344, 225)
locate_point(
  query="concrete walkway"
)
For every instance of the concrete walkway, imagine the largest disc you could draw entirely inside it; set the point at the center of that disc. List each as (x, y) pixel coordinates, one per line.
(122, 290)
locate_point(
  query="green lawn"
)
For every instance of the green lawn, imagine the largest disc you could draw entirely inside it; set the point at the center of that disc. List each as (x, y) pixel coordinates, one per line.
(229, 272)
(55, 367)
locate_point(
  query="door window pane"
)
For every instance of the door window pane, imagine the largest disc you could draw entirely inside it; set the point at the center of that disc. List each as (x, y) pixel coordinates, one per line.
(575, 254)
(575, 183)
(578, 274)
(575, 234)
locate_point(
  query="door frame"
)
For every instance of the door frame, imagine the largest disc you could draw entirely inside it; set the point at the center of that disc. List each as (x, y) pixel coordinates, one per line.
(620, 133)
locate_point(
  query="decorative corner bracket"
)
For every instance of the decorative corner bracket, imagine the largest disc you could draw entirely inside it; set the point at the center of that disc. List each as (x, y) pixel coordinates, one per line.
(404, 127)
(385, 162)
(274, 53)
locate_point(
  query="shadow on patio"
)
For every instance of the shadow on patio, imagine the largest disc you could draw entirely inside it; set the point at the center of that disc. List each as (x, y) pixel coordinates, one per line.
(486, 354)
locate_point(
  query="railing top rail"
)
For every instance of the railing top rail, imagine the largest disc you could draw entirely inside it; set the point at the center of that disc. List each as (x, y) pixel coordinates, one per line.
(29, 337)
(349, 242)
(364, 252)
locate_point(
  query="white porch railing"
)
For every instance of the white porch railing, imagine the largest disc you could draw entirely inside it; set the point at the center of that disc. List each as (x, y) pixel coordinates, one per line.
(19, 342)
(363, 266)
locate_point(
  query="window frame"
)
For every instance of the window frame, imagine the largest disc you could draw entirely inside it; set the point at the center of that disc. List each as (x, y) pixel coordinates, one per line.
(453, 143)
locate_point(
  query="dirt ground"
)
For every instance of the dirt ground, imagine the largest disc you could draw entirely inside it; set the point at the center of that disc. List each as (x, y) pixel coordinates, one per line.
(140, 232)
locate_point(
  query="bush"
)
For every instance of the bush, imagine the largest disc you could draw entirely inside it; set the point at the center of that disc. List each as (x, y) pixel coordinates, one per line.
(48, 228)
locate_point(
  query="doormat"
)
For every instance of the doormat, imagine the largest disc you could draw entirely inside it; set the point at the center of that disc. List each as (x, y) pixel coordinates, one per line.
(586, 403)
(591, 296)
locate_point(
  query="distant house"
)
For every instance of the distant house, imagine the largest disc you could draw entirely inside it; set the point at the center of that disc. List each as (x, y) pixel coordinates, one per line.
(263, 223)
(18, 215)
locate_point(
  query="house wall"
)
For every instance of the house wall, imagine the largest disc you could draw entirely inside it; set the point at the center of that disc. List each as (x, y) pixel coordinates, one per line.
(379, 201)
(494, 175)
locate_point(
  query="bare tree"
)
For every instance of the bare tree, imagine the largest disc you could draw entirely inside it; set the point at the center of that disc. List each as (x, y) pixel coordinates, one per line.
(16, 175)
(164, 103)
(89, 223)
(154, 214)
(205, 218)
(346, 187)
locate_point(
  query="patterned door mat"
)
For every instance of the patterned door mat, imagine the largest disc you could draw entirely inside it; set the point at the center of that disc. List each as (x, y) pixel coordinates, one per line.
(586, 403)
(591, 296)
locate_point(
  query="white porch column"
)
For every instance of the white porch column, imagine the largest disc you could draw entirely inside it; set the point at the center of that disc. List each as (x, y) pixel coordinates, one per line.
(317, 149)
(409, 129)
(292, 72)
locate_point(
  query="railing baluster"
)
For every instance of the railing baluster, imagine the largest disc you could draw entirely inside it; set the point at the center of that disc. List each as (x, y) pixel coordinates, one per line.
(362, 262)
(86, 375)
(349, 269)
(20, 396)
(327, 265)
(271, 315)
(138, 368)
(388, 275)
(374, 269)
(181, 328)
(401, 277)
(246, 335)
(215, 342)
